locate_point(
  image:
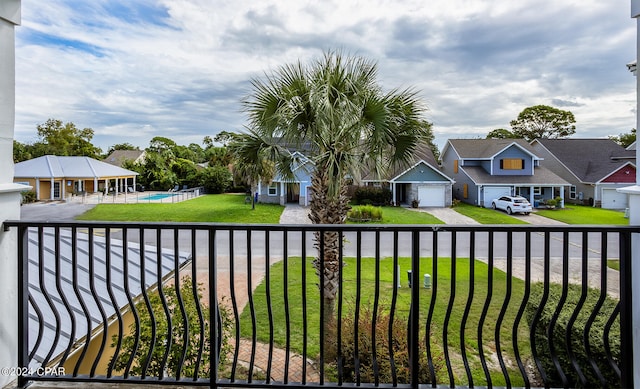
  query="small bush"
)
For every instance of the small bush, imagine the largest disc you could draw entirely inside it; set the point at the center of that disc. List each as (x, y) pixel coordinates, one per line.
(415, 203)
(365, 213)
(372, 195)
(596, 336)
(172, 343)
(398, 372)
(28, 196)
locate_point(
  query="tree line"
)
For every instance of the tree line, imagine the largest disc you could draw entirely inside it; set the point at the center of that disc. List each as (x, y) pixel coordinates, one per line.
(165, 163)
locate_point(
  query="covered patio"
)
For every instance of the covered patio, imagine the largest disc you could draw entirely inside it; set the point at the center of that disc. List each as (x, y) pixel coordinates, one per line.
(58, 178)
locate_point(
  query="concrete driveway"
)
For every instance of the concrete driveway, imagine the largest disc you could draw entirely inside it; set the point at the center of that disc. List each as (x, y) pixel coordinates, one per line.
(53, 211)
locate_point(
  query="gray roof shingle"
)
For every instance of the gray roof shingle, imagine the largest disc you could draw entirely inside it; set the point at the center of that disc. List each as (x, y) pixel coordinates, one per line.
(118, 157)
(541, 177)
(486, 148)
(590, 160)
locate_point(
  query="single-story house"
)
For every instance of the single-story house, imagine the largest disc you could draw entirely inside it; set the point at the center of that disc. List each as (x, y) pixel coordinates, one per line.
(118, 157)
(595, 168)
(485, 169)
(421, 179)
(55, 177)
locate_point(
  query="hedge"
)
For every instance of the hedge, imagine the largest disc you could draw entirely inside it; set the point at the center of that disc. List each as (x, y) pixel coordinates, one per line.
(368, 195)
(577, 339)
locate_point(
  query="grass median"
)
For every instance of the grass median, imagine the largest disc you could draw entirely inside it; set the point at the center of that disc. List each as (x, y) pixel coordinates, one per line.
(220, 208)
(303, 296)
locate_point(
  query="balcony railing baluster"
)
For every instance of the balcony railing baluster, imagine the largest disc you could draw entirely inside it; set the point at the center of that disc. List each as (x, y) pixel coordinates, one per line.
(151, 303)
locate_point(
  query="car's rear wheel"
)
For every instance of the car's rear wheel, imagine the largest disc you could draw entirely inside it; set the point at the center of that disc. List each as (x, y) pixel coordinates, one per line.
(509, 212)
(493, 205)
(526, 213)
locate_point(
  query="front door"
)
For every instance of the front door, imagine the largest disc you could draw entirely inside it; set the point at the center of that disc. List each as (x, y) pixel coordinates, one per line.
(56, 190)
(293, 193)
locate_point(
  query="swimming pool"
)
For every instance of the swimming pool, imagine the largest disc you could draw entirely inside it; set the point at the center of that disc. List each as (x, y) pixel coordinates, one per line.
(157, 196)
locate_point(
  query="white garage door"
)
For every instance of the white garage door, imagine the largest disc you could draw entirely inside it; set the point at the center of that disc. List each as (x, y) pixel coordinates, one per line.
(611, 199)
(494, 192)
(431, 196)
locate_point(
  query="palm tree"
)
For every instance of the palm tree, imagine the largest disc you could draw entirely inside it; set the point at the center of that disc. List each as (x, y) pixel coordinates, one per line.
(335, 110)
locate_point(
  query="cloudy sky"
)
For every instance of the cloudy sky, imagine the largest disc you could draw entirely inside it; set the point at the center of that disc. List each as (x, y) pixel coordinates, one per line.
(132, 70)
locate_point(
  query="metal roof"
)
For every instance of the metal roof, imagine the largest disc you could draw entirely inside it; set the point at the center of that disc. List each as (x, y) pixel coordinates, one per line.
(51, 282)
(52, 166)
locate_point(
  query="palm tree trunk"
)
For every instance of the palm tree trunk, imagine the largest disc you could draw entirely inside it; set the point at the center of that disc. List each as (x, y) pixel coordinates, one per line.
(327, 210)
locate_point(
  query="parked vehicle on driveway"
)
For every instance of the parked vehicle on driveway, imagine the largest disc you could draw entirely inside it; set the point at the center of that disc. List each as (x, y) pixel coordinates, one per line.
(512, 204)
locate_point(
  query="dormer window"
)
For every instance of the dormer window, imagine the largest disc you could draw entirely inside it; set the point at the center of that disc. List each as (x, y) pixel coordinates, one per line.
(512, 164)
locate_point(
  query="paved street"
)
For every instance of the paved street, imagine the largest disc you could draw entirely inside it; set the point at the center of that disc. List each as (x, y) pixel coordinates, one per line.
(437, 242)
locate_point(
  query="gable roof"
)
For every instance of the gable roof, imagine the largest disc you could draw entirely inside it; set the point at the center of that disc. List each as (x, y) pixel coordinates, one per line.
(117, 157)
(52, 166)
(423, 153)
(589, 159)
(486, 148)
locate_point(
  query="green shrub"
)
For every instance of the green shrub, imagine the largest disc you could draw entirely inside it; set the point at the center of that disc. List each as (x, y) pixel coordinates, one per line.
(372, 195)
(172, 344)
(28, 196)
(364, 213)
(596, 335)
(346, 360)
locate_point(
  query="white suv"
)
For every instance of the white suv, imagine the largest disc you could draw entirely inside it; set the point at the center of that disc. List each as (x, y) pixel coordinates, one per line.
(511, 204)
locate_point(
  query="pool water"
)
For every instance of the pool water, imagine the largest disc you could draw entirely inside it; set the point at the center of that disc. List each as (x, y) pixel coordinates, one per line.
(157, 196)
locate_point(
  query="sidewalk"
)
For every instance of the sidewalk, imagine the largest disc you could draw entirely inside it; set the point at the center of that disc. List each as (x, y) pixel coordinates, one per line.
(447, 215)
(295, 214)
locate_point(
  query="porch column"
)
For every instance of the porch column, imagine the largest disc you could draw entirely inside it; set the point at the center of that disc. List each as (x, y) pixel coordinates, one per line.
(9, 192)
(283, 194)
(95, 185)
(532, 197)
(37, 188)
(634, 219)
(51, 191)
(393, 193)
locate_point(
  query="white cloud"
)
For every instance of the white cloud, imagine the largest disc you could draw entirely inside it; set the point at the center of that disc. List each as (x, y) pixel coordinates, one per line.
(148, 68)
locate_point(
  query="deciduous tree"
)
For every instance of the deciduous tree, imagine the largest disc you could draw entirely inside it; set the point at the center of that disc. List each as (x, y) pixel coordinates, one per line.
(543, 121)
(63, 139)
(501, 133)
(625, 140)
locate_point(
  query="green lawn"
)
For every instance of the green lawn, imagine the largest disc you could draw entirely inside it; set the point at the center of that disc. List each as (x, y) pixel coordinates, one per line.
(486, 215)
(399, 215)
(222, 208)
(580, 214)
(296, 302)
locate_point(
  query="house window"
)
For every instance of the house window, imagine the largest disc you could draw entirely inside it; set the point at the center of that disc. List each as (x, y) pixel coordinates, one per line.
(572, 192)
(273, 189)
(512, 164)
(465, 191)
(455, 166)
(537, 191)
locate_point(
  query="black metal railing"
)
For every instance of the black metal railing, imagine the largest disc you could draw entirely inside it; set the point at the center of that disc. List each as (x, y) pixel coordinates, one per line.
(239, 305)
